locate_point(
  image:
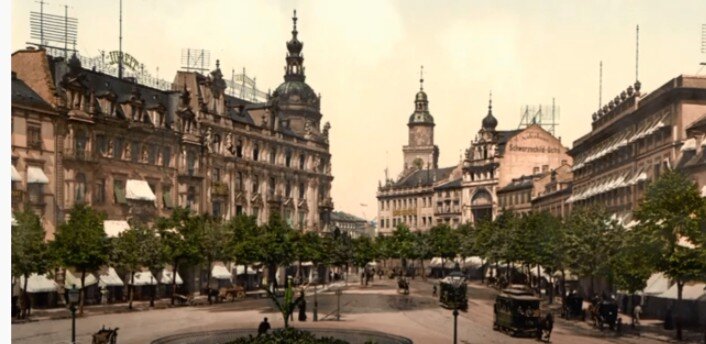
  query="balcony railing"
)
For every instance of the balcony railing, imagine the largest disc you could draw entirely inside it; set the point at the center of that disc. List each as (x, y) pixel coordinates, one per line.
(219, 189)
(79, 155)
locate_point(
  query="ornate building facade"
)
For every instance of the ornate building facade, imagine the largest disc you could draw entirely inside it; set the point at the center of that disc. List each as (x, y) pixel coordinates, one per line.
(136, 152)
(425, 195)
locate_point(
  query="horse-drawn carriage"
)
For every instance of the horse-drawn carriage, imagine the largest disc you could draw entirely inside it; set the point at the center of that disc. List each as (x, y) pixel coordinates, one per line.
(604, 312)
(402, 286)
(231, 294)
(105, 336)
(572, 307)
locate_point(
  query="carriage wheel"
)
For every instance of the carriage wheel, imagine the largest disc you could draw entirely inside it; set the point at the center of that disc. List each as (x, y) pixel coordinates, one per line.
(241, 295)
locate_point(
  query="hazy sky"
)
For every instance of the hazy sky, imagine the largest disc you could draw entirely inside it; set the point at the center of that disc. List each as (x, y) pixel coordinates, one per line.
(364, 57)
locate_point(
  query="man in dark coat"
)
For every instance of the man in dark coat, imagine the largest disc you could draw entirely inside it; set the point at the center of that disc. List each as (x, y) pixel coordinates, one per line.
(263, 328)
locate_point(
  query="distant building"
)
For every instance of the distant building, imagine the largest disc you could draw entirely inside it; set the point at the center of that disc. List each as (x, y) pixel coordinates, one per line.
(634, 138)
(425, 195)
(552, 190)
(351, 224)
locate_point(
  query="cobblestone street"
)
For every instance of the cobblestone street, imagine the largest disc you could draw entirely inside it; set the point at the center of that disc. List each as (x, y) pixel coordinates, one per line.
(376, 307)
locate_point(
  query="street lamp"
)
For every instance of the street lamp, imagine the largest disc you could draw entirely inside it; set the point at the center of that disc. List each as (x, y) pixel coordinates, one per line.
(73, 300)
(457, 280)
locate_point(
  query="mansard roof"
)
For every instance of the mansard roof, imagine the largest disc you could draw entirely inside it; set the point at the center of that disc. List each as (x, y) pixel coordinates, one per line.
(454, 184)
(424, 177)
(21, 93)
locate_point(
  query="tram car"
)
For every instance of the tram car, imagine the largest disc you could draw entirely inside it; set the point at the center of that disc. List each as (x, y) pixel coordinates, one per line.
(453, 297)
(516, 312)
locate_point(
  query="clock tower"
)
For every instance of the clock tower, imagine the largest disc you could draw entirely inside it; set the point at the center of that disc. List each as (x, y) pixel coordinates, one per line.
(420, 151)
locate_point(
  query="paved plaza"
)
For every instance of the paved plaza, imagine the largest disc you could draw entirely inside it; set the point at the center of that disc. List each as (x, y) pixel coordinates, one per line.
(377, 307)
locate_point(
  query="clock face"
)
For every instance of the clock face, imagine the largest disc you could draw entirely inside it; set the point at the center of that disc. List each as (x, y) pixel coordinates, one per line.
(418, 163)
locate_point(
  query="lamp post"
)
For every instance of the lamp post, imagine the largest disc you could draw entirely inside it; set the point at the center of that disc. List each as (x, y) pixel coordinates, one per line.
(457, 281)
(73, 300)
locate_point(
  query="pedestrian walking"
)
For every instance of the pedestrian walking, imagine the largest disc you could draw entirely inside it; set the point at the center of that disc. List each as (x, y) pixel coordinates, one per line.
(434, 291)
(263, 328)
(302, 307)
(636, 312)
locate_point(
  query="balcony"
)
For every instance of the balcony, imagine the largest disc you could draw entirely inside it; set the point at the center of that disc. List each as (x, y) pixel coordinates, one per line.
(79, 155)
(326, 203)
(34, 144)
(219, 189)
(448, 210)
(17, 198)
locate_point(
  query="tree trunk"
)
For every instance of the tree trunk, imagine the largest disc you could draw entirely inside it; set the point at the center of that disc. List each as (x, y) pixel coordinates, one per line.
(208, 281)
(83, 292)
(482, 271)
(247, 278)
(592, 288)
(131, 289)
(563, 287)
(272, 276)
(424, 274)
(677, 318)
(507, 271)
(24, 301)
(174, 271)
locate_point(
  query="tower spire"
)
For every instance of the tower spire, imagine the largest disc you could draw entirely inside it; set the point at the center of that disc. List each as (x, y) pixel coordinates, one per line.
(490, 103)
(421, 78)
(294, 71)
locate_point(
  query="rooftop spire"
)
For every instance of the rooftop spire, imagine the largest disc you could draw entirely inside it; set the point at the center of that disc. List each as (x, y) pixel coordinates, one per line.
(295, 61)
(490, 103)
(421, 78)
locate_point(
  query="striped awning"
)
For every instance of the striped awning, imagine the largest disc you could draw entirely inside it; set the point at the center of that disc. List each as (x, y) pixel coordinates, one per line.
(16, 177)
(141, 278)
(139, 190)
(109, 278)
(165, 276)
(35, 175)
(113, 228)
(74, 278)
(220, 272)
(38, 284)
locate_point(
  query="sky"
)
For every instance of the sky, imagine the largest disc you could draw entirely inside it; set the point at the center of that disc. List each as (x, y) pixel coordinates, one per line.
(364, 58)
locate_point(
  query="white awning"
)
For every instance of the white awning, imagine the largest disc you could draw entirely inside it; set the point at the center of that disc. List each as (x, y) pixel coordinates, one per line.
(74, 278)
(35, 175)
(143, 278)
(165, 276)
(473, 262)
(113, 228)
(685, 242)
(689, 145)
(139, 190)
(16, 177)
(703, 189)
(38, 283)
(109, 278)
(656, 284)
(240, 270)
(691, 291)
(219, 272)
(13, 222)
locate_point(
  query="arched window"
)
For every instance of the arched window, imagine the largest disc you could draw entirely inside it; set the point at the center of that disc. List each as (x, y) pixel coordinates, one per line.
(288, 158)
(302, 160)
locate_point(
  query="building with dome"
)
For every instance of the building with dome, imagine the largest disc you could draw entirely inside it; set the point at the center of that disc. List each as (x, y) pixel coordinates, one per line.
(425, 195)
(136, 152)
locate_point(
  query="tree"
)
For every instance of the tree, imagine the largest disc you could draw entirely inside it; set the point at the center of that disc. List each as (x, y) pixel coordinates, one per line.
(135, 248)
(423, 250)
(671, 225)
(29, 252)
(591, 243)
(243, 246)
(402, 244)
(363, 251)
(180, 240)
(631, 269)
(213, 243)
(81, 243)
(275, 242)
(443, 243)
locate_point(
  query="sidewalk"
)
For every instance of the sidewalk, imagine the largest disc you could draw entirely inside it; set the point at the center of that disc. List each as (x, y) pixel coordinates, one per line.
(140, 306)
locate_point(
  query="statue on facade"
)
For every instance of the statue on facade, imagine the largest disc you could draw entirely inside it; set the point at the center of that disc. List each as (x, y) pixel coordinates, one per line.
(229, 143)
(327, 127)
(208, 139)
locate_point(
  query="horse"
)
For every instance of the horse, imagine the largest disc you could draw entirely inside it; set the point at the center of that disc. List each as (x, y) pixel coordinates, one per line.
(544, 327)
